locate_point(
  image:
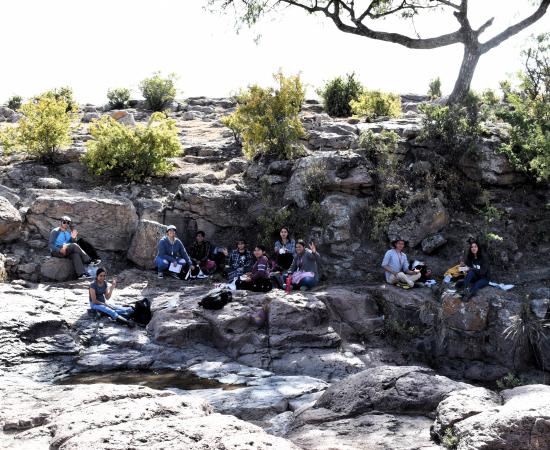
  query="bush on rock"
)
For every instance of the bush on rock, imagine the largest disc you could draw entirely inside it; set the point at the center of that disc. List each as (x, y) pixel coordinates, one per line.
(14, 102)
(373, 104)
(44, 128)
(118, 97)
(338, 93)
(132, 152)
(159, 92)
(266, 121)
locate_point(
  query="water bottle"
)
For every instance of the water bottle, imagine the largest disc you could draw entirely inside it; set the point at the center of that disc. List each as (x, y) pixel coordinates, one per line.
(288, 284)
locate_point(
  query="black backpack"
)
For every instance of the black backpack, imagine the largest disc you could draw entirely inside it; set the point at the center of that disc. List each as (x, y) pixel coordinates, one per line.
(142, 311)
(216, 298)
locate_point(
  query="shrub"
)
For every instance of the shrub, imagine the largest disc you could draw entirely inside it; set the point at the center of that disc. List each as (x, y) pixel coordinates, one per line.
(338, 93)
(118, 97)
(382, 215)
(434, 89)
(508, 381)
(158, 92)
(527, 110)
(132, 152)
(14, 102)
(314, 180)
(373, 104)
(266, 119)
(65, 94)
(449, 440)
(43, 130)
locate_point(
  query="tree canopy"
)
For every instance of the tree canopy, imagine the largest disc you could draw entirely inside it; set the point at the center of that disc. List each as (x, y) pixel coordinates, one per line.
(358, 17)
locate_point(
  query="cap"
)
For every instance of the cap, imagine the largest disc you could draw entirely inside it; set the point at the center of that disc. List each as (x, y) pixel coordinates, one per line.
(67, 218)
(171, 227)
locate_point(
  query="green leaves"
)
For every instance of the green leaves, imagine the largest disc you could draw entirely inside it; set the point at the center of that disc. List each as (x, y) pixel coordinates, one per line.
(373, 104)
(338, 93)
(266, 120)
(133, 153)
(158, 92)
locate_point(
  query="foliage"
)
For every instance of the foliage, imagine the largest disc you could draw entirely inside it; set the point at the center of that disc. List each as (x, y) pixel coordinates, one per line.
(373, 104)
(266, 119)
(132, 152)
(449, 440)
(159, 92)
(14, 102)
(494, 237)
(434, 89)
(43, 130)
(381, 149)
(64, 93)
(314, 180)
(456, 127)
(490, 98)
(527, 111)
(118, 97)
(382, 215)
(508, 381)
(338, 93)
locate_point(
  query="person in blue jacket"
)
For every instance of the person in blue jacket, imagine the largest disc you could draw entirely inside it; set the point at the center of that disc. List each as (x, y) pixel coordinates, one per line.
(171, 250)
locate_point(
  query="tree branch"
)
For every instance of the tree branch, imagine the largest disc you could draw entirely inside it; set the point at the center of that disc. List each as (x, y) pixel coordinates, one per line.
(483, 27)
(448, 3)
(514, 29)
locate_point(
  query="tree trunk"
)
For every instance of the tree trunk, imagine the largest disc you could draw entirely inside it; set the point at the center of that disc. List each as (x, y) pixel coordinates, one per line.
(467, 69)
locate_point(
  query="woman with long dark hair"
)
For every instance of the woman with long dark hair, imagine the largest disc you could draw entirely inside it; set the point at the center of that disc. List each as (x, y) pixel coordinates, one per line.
(100, 292)
(285, 250)
(477, 271)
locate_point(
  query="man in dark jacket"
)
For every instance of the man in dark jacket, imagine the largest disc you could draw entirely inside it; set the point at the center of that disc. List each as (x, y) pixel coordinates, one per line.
(170, 251)
(62, 244)
(199, 252)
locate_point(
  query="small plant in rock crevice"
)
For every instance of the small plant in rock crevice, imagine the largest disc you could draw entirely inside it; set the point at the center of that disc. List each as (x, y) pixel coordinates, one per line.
(509, 381)
(449, 440)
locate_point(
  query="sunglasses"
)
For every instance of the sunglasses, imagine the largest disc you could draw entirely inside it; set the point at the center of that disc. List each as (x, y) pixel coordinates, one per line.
(66, 221)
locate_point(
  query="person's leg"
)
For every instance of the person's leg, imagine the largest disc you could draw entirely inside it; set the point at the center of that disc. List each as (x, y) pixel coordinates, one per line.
(104, 309)
(124, 310)
(162, 264)
(393, 279)
(477, 285)
(403, 278)
(78, 257)
(308, 282)
(468, 279)
(415, 277)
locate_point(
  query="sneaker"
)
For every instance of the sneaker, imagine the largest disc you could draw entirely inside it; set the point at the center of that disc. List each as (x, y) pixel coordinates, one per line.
(160, 275)
(95, 262)
(84, 276)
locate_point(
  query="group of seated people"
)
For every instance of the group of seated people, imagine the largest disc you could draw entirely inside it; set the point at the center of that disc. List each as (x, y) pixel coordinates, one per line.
(293, 265)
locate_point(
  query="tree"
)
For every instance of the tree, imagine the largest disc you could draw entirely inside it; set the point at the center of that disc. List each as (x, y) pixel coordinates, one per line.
(357, 18)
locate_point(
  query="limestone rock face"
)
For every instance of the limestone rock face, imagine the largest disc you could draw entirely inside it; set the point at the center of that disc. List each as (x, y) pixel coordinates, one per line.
(58, 269)
(107, 222)
(10, 221)
(467, 316)
(123, 117)
(419, 222)
(121, 417)
(143, 247)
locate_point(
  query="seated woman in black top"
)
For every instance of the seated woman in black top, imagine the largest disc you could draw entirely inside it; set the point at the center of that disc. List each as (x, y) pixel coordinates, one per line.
(477, 271)
(257, 279)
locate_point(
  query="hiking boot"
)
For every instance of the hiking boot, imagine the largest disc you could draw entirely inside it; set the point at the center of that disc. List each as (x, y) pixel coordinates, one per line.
(160, 275)
(124, 321)
(466, 294)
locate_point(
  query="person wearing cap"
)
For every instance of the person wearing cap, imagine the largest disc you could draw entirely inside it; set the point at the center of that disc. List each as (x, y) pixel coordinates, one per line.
(171, 250)
(396, 265)
(62, 244)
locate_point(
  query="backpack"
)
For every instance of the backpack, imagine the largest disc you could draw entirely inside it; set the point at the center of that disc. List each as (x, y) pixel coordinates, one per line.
(142, 311)
(216, 298)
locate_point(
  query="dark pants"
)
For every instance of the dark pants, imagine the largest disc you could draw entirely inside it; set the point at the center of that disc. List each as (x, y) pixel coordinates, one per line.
(473, 282)
(77, 255)
(259, 285)
(284, 261)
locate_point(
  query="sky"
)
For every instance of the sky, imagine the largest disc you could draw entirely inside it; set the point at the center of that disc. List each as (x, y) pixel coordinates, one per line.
(94, 46)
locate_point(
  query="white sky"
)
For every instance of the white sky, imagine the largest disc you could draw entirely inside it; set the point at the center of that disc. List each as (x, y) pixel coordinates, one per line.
(94, 45)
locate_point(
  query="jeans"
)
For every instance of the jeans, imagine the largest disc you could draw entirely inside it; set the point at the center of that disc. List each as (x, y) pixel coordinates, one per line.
(474, 282)
(77, 255)
(118, 310)
(307, 282)
(163, 263)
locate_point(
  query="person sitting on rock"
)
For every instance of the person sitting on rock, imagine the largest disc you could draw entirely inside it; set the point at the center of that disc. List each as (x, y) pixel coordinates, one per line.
(477, 271)
(100, 292)
(304, 270)
(172, 252)
(62, 244)
(285, 250)
(238, 262)
(199, 252)
(396, 265)
(257, 279)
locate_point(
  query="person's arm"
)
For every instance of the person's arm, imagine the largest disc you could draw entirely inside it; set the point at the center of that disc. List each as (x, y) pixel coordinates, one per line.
(109, 290)
(483, 268)
(293, 266)
(260, 269)
(386, 263)
(95, 301)
(183, 253)
(278, 246)
(206, 252)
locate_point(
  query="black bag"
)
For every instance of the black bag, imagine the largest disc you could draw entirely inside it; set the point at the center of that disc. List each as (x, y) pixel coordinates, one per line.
(216, 298)
(142, 311)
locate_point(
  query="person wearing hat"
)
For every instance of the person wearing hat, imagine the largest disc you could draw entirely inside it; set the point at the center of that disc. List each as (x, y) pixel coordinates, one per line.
(171, 250)
(396, 265)
(62, 244)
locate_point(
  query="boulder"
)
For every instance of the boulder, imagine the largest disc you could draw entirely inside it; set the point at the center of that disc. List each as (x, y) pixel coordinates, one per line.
(521, 421)
(342, 210)
(432, 243)
(89, 116)
(123, 117)
(107, 222)
(467, 316)
(10, 195)
(420, 220)
(143, 247)
(58, 269)
(407, 127)
(3, 272)
(49, 183)
(10, 221)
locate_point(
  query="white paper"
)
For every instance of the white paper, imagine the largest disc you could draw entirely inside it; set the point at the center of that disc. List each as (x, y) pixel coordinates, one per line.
(175, 267)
